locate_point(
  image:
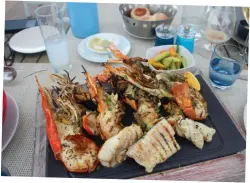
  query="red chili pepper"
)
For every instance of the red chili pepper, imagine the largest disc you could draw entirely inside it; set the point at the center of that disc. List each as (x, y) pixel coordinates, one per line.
(51, 128)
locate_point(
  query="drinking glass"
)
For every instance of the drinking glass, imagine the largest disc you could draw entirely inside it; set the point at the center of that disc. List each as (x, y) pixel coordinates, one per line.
(50, 21)
(225, 65)
(217, 25)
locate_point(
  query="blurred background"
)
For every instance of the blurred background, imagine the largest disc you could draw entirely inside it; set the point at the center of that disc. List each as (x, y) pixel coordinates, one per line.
(25, 9)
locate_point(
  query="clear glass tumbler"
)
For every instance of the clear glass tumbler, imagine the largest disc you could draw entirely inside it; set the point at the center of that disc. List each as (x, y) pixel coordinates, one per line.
(50, 21)
(225, 65)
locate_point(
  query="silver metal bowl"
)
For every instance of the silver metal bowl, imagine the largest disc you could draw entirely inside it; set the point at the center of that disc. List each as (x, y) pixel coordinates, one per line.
(145, 29)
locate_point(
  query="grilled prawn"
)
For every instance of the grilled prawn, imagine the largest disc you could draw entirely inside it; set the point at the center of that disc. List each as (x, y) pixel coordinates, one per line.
(110, 109)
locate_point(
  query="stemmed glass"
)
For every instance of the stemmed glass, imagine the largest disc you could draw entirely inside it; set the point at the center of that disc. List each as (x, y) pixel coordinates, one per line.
(217, 25)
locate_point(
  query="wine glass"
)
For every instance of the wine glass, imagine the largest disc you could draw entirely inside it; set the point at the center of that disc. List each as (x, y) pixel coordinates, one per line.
(217, 25)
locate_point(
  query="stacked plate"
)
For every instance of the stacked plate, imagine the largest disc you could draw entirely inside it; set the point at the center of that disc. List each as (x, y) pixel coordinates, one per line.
(89, 54)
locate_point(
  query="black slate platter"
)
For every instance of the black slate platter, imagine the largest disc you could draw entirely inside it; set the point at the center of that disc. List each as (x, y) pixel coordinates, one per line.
(226, 141)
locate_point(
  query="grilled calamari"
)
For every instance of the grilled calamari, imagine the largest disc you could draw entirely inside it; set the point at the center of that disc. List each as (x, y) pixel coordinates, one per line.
(196, 132)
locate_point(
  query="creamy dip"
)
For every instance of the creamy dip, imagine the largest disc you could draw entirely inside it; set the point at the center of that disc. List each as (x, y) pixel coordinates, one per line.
(98, 44)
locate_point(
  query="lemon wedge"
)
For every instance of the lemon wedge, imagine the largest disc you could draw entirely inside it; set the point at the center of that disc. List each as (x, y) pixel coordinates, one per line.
(192, 81)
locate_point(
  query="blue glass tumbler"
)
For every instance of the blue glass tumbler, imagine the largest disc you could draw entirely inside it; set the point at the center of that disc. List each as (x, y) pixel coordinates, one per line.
(84, 20)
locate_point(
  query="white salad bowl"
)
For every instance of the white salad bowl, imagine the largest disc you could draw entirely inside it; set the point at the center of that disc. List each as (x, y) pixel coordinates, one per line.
(154, 51)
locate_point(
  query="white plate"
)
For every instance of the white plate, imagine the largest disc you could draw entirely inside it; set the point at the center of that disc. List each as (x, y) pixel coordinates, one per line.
(11, 121)
(122, 44)
(154, 51)
(28, 41)
(245, 116)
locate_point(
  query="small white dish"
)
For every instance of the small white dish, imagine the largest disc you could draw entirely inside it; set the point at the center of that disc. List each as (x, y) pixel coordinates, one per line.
(121, 42)
(154, 51)
(11, 121)
(245, 116)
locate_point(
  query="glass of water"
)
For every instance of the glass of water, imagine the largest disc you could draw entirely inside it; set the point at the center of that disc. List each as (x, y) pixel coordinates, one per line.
(225, 65)
(50, 21)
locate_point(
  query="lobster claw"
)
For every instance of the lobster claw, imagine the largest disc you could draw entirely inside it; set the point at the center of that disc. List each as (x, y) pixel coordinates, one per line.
(51, 128)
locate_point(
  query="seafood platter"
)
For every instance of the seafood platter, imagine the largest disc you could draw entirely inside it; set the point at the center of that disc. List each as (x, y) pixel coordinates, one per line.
(131, 121)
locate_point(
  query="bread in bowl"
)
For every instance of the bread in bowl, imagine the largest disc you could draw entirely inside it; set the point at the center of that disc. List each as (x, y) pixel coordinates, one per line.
(147, 18)
(159, 16)
(139, 12)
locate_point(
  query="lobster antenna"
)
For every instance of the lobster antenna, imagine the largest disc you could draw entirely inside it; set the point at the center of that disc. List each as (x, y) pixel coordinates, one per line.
(84, 69)
(73, 79)
(67, 74)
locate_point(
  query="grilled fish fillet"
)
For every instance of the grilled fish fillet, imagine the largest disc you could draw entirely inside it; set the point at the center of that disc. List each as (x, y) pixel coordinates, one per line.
(114, 149)
(155, 147)
(194, 131)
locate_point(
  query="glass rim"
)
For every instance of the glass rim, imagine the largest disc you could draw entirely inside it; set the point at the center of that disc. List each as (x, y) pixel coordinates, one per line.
(51, 14)
(233, 7)
(228, 57)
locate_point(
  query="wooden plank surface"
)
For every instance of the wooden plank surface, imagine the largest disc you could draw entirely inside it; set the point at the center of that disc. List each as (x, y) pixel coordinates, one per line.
(226, 169)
